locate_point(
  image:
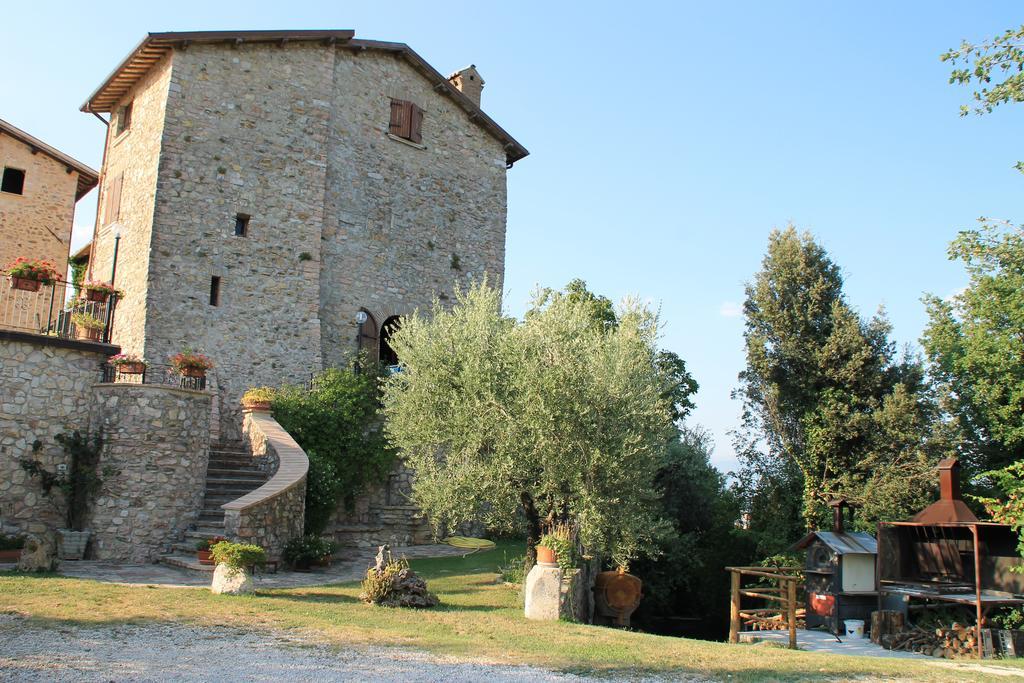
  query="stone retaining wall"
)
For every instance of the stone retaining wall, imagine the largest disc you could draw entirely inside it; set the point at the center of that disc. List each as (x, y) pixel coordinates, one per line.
(157, 439)
(45, 390)
(274, 513)
(383, 515)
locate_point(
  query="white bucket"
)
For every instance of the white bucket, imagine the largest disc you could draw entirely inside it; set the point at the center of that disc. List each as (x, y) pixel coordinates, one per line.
(854, 628)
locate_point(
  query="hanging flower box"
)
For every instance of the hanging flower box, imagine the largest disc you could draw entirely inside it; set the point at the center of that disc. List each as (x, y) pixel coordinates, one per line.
(30, 274)
(98, 291)
(128, 364)
(191, 364)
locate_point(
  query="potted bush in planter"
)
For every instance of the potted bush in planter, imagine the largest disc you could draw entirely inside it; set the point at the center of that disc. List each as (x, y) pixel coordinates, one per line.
(235, 562)
(73, 488)
(28, 274)
(128, 364)
(10, 548)
(204, 554)
(191, 364)
(258, 398)
(87, 326)
(99, 291)
(557, 547)
(308, 551)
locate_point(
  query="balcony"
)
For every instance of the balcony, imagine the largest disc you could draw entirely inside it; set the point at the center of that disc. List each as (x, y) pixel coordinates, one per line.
(58, 309)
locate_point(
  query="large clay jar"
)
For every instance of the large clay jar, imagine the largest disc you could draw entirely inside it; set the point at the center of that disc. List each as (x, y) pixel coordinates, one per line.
(617, 595)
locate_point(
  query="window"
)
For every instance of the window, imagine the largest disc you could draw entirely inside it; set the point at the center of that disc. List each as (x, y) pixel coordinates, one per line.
(241, 224)
(215, 291)
(406, 121)
(124, 118)
(112, 209)
(13, 181)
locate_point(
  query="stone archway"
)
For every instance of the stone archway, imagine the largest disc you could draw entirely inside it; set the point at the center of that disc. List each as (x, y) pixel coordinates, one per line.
(387, 354)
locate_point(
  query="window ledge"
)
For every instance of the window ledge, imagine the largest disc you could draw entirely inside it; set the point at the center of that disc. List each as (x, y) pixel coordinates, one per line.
(406, 142)
(118, 139)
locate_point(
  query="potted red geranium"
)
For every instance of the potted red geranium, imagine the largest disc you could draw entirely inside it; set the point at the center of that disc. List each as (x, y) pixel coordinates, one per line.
(203, 549)
(99, 291)
(28, 274)
(191, 364)
(128, 364)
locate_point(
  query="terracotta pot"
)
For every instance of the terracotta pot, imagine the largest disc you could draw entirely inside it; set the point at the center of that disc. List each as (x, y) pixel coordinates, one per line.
(617, 595)
(255, 405)
(131, 368)
(10, 555)
(88, 335)
(204, 557)
(96, 295)
(25, 284)
(197, 373)
(546, 556)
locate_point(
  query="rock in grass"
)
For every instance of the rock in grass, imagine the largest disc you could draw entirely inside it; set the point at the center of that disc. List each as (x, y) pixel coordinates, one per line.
(39, 553)
(231, 581)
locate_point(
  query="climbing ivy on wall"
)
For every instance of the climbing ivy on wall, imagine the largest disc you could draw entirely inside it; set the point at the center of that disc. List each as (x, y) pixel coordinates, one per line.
(336, 422)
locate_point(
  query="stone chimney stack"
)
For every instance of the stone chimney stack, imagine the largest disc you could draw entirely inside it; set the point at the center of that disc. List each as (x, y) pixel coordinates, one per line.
(469, 83)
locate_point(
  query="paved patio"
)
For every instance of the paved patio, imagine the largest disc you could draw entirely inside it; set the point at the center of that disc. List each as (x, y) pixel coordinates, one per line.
(352, 568)
(821, 641)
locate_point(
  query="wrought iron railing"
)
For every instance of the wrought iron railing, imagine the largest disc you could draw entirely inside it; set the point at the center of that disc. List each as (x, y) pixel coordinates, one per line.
(58, 309)
(165, 375)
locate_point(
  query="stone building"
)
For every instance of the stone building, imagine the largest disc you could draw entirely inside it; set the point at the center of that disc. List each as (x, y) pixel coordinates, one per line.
(39, 187)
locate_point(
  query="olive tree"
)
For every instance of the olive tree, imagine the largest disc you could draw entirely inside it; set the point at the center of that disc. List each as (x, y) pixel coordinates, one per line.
(556, 417)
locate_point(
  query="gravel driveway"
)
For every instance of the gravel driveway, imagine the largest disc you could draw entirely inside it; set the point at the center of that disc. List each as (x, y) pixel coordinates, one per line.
(170, 652)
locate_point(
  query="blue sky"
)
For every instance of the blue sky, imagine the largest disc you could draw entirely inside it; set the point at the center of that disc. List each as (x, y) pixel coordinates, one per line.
(667, 139)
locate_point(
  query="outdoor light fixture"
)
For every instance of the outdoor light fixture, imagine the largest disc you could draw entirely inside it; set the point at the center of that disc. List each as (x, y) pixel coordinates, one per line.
(361, 317)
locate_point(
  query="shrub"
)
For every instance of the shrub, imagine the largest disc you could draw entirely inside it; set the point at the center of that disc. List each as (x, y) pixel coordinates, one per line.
(86, 321)
(514, 571)
(562, 539)
(238, 555)
(307, 549)
(79, 482)
(336, 422)
(259, 395)
(377, 585)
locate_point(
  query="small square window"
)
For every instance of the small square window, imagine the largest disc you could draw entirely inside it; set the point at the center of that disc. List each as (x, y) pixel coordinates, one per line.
(242, 224)
(215, 291)
(124, 118)
(13, 181)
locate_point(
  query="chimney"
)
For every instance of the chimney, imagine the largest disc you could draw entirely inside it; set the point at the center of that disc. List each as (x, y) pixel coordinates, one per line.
(950, 507)
(469, 83)
(838, 505)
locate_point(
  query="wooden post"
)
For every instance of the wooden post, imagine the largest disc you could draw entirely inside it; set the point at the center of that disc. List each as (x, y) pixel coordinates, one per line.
(791, 611)
(734, 608)
(977, 591)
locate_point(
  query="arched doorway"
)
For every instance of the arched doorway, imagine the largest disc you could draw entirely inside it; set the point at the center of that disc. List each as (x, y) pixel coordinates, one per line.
(368, 338)
(387, 354)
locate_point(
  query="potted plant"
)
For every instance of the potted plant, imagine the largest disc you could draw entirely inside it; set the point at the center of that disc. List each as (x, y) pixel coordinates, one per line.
(10, 548)
(71, 489)
(28, 274)
(99, 291)
(558, 547)
(258, 398)
(307, 551)
(191, 364)
(87, 326)
(235, 562)
(128, 364)
(203, 549)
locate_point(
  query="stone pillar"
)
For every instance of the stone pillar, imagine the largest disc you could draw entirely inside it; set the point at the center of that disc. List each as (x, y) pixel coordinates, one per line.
(543, 593)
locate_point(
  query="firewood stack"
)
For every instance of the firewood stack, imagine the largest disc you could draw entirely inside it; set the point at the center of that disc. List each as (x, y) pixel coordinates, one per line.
(773, 622)
(952, 642)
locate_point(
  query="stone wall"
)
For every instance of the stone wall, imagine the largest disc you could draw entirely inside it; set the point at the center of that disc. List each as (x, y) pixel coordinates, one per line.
(383, 515)
(157, 439)
(274, 513)
(37, 223)
(45, 390)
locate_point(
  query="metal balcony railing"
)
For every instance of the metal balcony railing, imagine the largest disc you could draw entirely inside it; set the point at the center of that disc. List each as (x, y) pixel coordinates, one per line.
(57, 309)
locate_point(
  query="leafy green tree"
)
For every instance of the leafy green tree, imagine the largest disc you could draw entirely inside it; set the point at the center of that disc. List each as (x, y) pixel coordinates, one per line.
(558, 417)
(975, 345)
(1000, 58)
(336, 422)
(825, 391)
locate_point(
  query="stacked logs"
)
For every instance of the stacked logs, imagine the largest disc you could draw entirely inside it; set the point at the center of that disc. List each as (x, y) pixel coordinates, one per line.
(956, 641)
(765, 620)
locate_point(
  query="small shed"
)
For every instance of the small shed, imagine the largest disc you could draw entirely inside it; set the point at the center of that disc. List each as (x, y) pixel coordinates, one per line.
(839, 573)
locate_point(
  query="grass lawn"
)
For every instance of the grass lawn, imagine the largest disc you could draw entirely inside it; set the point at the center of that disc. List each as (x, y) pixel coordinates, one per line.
(478, 619)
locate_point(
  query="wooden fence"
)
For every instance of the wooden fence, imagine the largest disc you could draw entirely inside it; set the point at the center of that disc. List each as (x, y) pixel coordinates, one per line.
(782, 589)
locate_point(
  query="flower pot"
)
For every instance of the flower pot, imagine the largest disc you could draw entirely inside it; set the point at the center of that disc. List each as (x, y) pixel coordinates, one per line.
(10, 555)
(617, 595)
(72, 544)
(25, 284)
(197, 373)
(131, 368)
(546, 556)
(87, 334)
(96, 295)
(256, 405)
(204, 557)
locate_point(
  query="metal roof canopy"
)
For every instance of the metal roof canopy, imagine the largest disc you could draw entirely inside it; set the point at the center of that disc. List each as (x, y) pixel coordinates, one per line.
(155, 45)
(849, 543)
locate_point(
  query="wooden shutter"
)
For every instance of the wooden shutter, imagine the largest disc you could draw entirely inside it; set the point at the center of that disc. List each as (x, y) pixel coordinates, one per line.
(415, 123)
(113, 210)
(401, 118)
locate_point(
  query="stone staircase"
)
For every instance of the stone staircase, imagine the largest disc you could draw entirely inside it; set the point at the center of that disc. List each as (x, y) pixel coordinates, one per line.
(232, 472)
